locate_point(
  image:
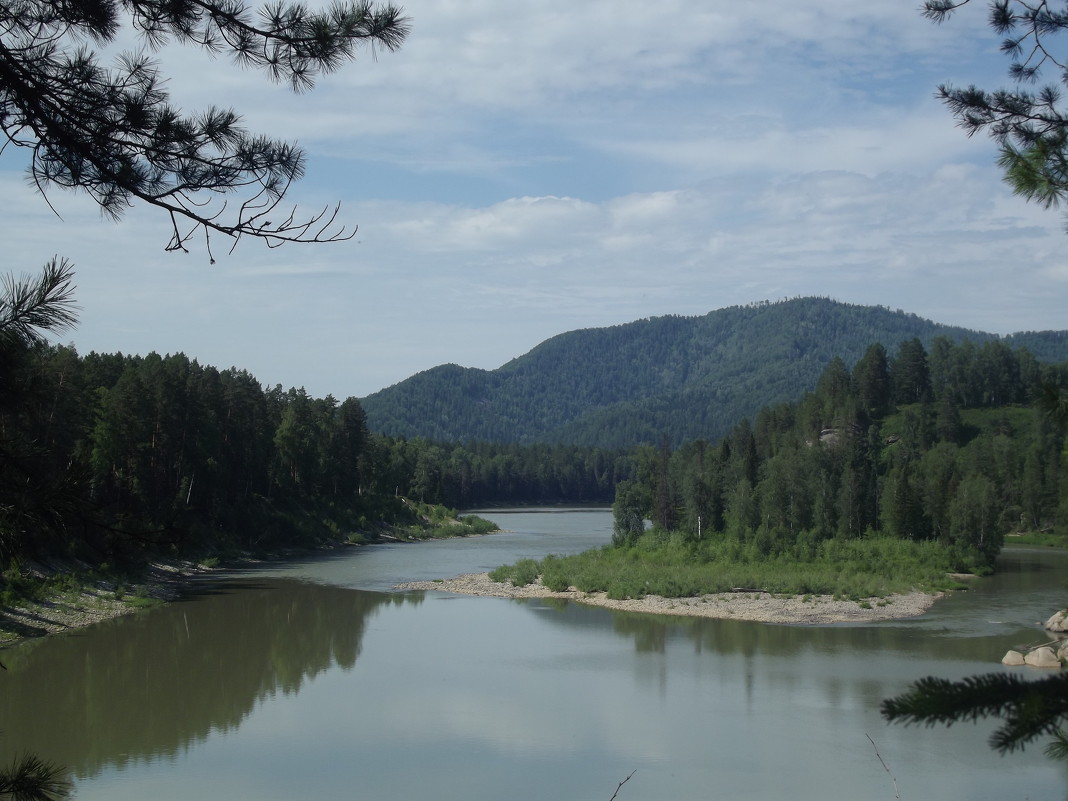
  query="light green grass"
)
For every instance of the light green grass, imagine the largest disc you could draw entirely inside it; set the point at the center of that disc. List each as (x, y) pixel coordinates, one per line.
(673, 568)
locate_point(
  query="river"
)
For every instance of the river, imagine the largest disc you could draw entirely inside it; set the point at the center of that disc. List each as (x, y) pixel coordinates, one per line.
(313, 680)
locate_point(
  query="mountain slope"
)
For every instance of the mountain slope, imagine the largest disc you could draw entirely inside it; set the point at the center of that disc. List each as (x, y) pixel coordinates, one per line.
(683, 377)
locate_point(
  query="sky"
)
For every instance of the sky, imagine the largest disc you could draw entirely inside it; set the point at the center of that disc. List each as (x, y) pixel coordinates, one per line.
(519, 170)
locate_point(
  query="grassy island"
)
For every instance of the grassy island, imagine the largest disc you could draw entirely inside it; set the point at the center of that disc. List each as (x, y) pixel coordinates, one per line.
(670, 566)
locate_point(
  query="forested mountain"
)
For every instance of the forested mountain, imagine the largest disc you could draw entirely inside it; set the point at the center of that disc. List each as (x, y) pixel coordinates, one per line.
(682, 377)
(109, 457)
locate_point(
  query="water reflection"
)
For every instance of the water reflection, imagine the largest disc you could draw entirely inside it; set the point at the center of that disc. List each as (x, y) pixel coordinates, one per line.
(979, 624)
(273, 688)
(94, 699)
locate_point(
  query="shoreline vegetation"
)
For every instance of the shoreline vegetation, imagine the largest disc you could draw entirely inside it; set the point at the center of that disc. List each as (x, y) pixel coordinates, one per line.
(67, 601)
(755, 606)
(60, 599)
(41, 598)
(670, 573)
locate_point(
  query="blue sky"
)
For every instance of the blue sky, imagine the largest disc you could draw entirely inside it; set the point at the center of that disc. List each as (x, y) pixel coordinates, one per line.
(519, 170)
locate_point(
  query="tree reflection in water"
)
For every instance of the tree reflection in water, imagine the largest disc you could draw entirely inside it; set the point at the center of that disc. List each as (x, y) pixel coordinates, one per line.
(89, 700)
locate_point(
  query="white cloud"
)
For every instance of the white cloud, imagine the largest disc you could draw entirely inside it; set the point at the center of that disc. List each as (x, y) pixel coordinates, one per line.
(558, 165)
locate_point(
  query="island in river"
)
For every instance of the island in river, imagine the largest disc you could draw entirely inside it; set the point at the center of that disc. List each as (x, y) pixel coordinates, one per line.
(756, 606)
(93, 605)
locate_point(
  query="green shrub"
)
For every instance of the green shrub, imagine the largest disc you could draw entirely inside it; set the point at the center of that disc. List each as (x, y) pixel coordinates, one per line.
(526, 571)
(556, 583)
(478, 525)
(659, 564)
(501, 574)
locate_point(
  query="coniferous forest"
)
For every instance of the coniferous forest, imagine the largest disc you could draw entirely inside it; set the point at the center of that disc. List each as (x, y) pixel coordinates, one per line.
(686, 378)
(107, 457)
(954, 447)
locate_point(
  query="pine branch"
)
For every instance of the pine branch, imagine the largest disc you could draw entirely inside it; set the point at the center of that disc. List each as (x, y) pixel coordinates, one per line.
(32, 779)
(30, 306)
(1029, 709)
(113, 133)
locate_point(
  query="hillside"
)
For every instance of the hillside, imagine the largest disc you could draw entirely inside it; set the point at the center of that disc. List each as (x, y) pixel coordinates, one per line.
(684, 377)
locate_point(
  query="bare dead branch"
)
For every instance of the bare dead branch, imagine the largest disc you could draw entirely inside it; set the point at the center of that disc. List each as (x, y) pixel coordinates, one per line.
(618, 786)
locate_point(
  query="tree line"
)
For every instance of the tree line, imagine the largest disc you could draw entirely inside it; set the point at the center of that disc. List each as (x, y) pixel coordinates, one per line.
(105, 455)
(486, 473)
(939, 445)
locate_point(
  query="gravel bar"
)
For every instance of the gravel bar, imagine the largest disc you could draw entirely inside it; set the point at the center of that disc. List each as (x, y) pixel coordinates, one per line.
(762, 607)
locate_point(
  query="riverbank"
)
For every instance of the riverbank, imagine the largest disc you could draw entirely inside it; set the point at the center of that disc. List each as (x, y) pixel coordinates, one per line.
(92, 602)
(760, 607)
(86, 600)
(96, 602)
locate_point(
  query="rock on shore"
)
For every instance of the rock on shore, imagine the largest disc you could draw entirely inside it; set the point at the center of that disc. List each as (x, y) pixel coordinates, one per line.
(756, 606)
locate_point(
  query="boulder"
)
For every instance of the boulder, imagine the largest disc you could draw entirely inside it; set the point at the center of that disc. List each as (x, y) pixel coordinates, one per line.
(1013, 658)
(1062, 650)
(1044, 657)
(1058, 621)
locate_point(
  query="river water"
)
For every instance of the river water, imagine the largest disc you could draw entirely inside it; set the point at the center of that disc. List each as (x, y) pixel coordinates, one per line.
(315, 681)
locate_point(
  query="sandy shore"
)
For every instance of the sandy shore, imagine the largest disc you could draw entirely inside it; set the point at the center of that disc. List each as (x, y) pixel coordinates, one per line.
(757, 606)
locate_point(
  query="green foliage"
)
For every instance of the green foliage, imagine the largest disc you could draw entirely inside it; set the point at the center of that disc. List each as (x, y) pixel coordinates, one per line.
(1029, 709)
(30, 778)
(114, 134)
(1029, 126)
(38, 492)
(688, 378)
(478, 525)
(434, 521)
(482, 474)
(18, 587)
(853, 457)
(628, 513)
(118, 459)
(131, 456)
(671, 565)
(521, 574)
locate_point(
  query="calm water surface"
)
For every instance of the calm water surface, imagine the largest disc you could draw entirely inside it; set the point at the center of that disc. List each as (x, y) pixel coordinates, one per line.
(316, 681)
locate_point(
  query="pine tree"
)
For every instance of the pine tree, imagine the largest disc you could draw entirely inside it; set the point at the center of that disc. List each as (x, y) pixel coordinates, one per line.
(871, 377)
(113, 133)
(36, 499)
(909, 375)
(1030, 127)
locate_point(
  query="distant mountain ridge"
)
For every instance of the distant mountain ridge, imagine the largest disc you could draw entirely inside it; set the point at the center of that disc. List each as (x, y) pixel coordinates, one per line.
(680, 377)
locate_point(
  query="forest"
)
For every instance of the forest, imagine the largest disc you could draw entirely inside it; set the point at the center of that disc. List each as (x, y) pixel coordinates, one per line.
(685, 378)
(921, 463)
(110, 457)
(947, 446)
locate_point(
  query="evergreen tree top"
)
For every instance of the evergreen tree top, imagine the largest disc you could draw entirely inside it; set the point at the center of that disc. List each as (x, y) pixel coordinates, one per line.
(114, 134)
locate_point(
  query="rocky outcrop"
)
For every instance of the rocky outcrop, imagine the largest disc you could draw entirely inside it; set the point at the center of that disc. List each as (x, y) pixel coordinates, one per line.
(1014, 658)
(1058, 621)
(1050, 655)
(1042, 657)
